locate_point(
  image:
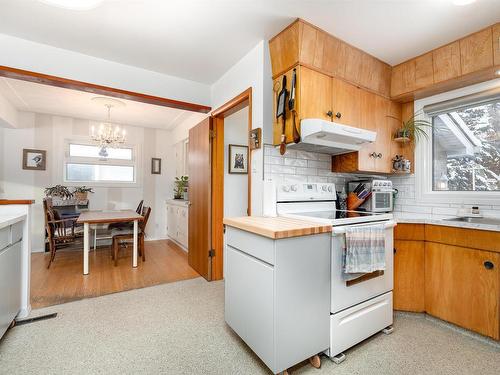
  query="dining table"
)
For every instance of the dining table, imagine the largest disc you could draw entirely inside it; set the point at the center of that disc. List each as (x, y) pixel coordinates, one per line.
(107, 217)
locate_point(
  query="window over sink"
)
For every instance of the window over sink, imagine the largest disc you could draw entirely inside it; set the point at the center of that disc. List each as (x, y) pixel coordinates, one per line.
(460, 160)
(466, 148)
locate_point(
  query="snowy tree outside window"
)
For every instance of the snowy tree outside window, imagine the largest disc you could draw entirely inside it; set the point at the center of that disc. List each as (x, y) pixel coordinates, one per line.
(466, 148)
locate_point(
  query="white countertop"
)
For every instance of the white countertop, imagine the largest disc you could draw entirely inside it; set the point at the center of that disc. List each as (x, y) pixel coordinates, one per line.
(433, 221)
(6, 220)
(178, 202)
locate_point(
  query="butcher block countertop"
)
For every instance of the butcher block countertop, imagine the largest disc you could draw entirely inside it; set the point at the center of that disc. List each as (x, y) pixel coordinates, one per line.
(277, 227)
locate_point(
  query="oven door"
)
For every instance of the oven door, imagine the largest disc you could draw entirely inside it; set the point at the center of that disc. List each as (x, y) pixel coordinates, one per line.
(349, 293)
(381, 201)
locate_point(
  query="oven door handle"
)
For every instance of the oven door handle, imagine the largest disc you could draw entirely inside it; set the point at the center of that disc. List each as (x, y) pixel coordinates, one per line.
(342, 229)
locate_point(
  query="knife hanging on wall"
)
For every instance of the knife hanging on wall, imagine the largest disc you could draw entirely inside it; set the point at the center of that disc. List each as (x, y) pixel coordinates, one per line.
(281, 112)
(291, 106)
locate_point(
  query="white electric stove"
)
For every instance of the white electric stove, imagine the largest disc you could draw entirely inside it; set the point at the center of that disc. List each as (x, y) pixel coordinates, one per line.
(360, 307)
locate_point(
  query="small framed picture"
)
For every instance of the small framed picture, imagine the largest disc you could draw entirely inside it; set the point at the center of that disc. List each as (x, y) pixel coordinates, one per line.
(238, 159)
(34, 159)
(155, 166)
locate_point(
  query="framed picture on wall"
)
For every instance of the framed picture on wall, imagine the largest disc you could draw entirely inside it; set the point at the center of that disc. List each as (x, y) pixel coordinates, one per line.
(34, 160)
(155, 166)
(238, 159)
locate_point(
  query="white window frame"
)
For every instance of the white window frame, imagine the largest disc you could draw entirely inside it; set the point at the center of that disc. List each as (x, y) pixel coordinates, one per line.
(424, 158)
(135, 162)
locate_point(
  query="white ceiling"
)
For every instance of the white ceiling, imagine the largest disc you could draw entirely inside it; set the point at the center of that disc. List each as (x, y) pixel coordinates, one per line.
(201, 39)
(38, 98)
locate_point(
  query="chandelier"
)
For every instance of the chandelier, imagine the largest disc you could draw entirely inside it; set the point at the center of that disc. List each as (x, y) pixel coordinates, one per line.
(106, 135)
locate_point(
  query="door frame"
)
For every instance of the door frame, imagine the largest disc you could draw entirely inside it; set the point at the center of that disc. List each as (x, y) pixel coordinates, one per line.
(217, 215)
(46, 79)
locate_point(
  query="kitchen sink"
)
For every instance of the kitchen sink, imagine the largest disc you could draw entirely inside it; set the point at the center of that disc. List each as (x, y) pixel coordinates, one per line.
(476, 220)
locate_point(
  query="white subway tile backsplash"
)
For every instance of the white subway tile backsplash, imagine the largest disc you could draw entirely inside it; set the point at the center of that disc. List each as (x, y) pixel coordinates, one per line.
(281, 169)
(306, 171)
(306, 155)
(318, 164)
(295, 162)
(275, 160)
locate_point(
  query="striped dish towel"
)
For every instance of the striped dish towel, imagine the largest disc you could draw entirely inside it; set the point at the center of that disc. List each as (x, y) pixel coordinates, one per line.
(364, 250)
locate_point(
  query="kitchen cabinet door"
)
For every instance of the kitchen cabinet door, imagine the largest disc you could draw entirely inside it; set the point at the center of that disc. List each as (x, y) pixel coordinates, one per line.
(249, 301)
(383, 144)
(368, 121)
(462, 287)
(172, 221)
(409, 281)
(315, 94)
(346, 103)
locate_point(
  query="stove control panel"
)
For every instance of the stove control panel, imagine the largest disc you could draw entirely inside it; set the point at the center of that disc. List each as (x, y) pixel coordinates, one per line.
(306, 192)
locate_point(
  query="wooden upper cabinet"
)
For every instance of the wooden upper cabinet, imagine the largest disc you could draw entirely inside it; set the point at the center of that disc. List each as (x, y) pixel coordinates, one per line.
(284, 49)
(315, 94)
(345, 103)
(403, 78)
(496, 44)
(307, 45)
(423, 71)
(446, 62)
(476, 51)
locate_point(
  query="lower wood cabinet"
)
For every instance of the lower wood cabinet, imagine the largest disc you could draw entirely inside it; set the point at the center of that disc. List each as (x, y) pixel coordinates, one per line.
(409, 277)
(459, 284)
(462, 287)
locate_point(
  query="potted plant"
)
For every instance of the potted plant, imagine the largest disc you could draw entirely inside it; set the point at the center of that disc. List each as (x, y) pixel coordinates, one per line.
(81, 192)
(181, 184)
(58, 191)
(413, 129)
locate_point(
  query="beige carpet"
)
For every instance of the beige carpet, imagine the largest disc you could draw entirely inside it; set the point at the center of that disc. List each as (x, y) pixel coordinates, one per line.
(179, 329)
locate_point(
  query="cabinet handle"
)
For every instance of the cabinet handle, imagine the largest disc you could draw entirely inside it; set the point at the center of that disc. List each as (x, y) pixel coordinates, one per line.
(338, 115)
(379, 155)
(373, 155)
(394, 249)
(329, 114)
(489, 265)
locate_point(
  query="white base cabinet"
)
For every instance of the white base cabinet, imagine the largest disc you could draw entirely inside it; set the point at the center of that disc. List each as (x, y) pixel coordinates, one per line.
(10, 274)
(177, 221)
(277, 295)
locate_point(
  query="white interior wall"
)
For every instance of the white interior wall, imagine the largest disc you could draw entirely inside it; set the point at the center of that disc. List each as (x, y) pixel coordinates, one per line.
(235, 185)
(8, 114)
(48, 133)
(41, 58)
(253, 70)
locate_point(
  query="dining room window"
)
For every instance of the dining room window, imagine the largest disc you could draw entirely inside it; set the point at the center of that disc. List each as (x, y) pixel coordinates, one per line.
(86, 163)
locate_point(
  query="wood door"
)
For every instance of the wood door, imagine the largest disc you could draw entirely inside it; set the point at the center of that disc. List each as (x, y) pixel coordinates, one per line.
(462, 287)
(409, 281)
(383, 163)
(346, 102)
(200, 178)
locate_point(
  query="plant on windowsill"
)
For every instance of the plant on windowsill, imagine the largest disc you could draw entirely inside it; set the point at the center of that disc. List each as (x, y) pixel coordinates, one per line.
(181, 184)
(58, 191)
(81, 193)
(412, 130)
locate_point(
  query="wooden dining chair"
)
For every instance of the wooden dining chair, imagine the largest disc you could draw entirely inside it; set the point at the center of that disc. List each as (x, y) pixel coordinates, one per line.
(127, 225)
(59, 231)
(126, 236)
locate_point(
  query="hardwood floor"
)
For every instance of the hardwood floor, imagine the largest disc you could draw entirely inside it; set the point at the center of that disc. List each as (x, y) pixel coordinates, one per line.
(64, 281)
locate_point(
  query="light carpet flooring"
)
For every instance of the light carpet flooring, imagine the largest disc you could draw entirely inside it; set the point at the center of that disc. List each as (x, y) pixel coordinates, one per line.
(179, 328)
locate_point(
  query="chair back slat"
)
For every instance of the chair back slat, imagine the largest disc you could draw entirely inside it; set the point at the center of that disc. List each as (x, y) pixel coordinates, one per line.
(146, 211)
(139, 207)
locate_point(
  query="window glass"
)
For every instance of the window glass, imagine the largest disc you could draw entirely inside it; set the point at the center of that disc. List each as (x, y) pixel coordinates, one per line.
(97, 172)
(466, 148)
(89, 151)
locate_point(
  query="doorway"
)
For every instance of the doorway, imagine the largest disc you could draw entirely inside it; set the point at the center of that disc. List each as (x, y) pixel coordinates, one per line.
(229, 123)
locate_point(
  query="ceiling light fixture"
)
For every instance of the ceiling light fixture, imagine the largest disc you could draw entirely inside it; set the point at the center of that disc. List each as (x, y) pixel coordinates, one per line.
(463, 2)
(74, 4)
(107, 136)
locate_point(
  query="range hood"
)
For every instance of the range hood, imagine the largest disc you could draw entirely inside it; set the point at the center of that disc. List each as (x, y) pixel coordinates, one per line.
(331, 138)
